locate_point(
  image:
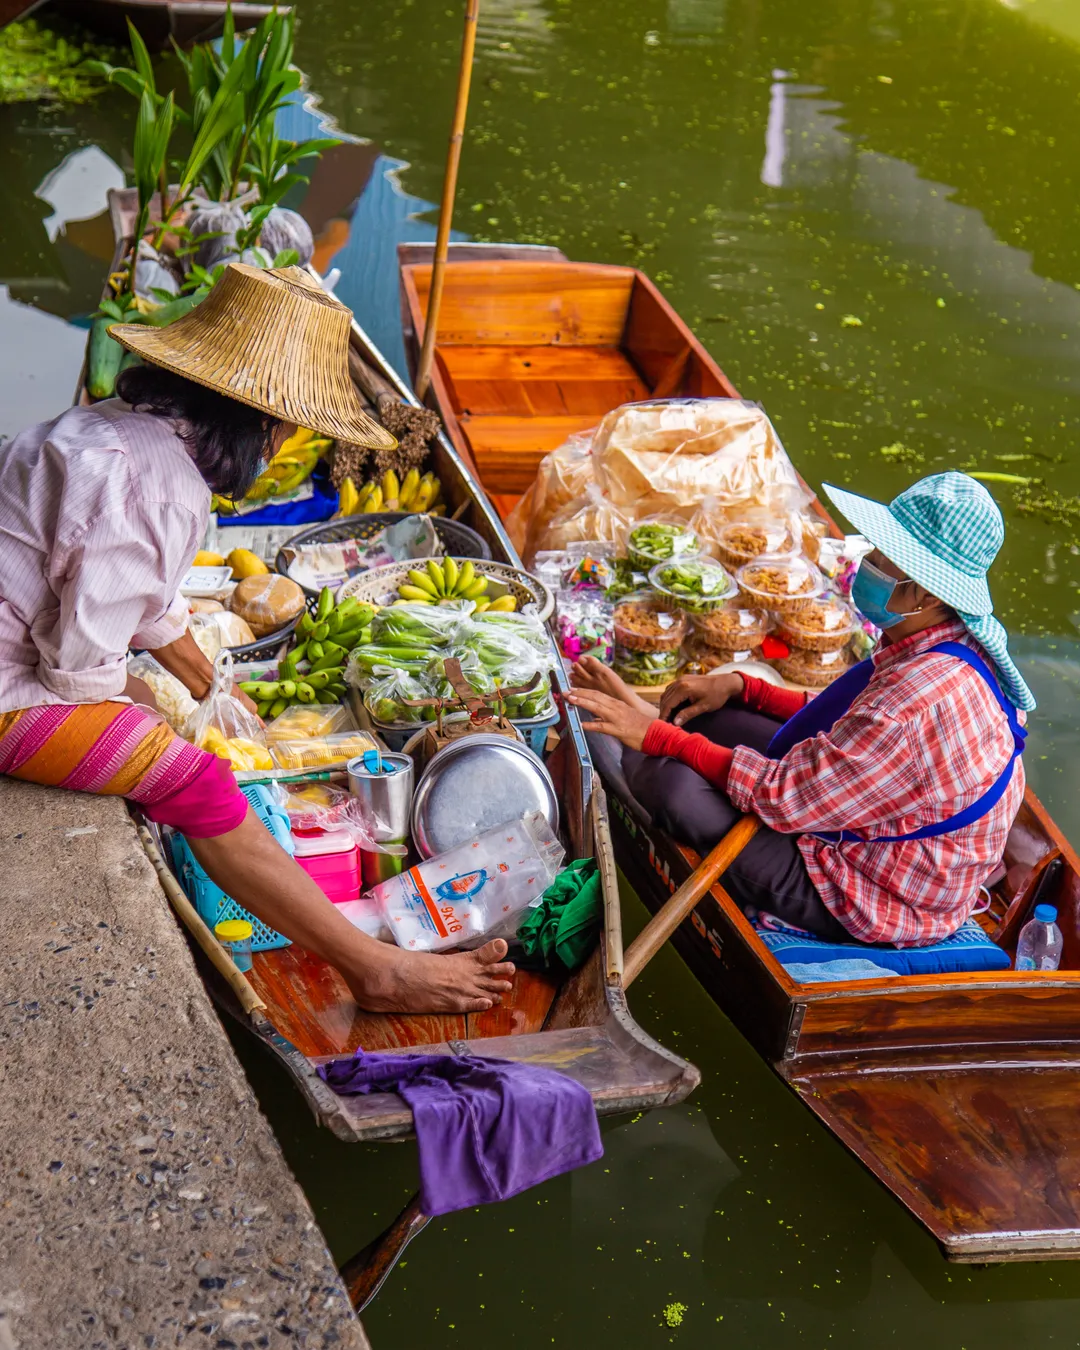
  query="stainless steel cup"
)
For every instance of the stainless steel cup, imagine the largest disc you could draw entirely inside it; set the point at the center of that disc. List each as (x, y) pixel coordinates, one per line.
(386, 803)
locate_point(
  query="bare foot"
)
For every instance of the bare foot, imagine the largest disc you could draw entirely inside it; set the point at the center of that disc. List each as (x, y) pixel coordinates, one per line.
(589, 673)
(428, 982)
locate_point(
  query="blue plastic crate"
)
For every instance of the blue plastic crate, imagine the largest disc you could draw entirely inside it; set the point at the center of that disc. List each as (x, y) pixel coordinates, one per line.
(209, 899)
(535, 730)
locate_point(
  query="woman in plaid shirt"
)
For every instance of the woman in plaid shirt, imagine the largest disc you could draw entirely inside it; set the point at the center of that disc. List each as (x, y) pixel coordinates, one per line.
(887, 799)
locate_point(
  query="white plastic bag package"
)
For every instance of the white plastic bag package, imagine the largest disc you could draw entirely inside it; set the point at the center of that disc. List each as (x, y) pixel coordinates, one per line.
(477, 891)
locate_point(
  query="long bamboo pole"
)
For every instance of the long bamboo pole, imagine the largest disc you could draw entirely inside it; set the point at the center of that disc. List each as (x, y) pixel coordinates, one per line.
(446, 208)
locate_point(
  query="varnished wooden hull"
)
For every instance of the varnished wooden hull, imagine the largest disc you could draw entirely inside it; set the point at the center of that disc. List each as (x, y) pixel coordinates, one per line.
(582, 1028)
(958, 1092)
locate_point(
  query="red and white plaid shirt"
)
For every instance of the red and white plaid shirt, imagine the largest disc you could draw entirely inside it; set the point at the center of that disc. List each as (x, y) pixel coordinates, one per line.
(924, 740)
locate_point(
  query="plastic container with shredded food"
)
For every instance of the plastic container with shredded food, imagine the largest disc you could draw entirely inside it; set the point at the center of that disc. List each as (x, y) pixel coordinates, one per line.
(697, 585)
(732, 627)
(784, 585)
(316, 752)
(813, 669)
(700, 659)
(741, 542)
(646, 668)
(655, 541)
(648, 624)
(823, 625)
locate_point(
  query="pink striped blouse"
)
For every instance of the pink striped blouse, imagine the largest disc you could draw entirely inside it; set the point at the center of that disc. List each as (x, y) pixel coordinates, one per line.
(101, 513)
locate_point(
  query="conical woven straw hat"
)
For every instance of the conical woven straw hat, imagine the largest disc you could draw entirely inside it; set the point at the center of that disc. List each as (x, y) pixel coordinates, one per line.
(271, 338)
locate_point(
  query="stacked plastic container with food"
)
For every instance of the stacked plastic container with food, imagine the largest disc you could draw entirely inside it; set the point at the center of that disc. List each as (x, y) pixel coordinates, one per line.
(715, 555)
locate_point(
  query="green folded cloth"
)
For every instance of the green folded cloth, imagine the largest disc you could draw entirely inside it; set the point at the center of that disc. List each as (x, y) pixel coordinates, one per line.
(561, 930)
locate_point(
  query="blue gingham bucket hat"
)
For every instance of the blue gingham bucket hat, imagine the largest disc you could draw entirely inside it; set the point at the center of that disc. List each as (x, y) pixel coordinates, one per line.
(944, 532)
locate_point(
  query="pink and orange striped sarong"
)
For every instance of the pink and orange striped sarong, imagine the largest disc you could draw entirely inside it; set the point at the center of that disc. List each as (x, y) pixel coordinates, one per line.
(122, 750)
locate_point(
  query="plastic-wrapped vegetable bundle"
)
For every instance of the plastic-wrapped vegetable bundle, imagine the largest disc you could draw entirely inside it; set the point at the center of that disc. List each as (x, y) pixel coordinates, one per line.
(386, 690)
(524, 625)
(421, 625)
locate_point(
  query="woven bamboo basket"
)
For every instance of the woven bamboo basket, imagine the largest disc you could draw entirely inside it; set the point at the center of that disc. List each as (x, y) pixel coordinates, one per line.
(378, 586)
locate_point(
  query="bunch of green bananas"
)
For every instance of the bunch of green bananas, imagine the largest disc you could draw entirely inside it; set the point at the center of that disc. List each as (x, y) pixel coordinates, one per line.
(449, 580)
(314, 671)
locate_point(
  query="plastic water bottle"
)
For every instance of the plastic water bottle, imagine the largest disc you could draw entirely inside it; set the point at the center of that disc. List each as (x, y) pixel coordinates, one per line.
(1040, 942)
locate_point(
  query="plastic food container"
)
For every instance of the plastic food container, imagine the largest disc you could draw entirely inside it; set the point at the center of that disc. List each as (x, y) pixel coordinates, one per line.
(697, 585)
(332, 860)
(784, 585)
(307, 720)
(823, 625)
(646, 668)
(739, 543)
(813, 669)
(655, 541)
(732, 627)
(316, 752)
(700, 659)
(235, 936)
(649, 625)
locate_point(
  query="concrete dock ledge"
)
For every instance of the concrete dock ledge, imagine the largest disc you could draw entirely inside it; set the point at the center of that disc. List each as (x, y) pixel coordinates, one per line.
(144, 1202)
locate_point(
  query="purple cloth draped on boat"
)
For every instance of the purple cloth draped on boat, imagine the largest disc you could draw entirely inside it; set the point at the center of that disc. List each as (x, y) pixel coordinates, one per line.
(487, 1128)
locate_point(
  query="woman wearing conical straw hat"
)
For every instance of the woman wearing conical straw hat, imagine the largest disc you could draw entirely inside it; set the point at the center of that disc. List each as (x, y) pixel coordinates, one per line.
(101, 512)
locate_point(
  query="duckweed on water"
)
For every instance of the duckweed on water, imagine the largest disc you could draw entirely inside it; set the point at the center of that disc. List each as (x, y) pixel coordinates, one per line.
(37, 64)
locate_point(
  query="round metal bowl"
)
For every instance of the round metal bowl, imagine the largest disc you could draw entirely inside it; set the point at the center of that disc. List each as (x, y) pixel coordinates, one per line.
(476, 784)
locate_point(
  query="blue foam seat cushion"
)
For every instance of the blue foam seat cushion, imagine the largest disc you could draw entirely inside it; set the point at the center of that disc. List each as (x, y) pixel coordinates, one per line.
(969, 949)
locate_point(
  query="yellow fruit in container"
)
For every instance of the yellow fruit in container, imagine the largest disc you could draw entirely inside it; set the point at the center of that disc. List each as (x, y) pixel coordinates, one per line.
(244, 563)
(206, 559)
(256, 756)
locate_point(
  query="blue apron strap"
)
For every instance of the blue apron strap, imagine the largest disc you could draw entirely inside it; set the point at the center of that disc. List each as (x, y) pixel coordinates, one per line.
(988, 800)
(822, 712)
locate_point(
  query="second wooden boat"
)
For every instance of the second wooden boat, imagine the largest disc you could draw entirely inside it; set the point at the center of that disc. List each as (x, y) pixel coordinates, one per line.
(162, 21)
(957, 1091)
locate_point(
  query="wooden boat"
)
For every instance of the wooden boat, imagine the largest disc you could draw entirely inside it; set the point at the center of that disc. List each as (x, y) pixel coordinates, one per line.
(533, 348)
(957, 1091)
(162, 21)
(301, 1011)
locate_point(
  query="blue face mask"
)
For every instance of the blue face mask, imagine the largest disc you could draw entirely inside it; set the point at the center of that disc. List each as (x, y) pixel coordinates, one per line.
(871, 592)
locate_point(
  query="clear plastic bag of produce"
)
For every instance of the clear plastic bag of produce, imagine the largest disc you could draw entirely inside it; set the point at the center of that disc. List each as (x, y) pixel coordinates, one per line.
(174, 702)
(387, 688)
(309, 719)
(524, 624)
(223, 725)
(562, 477)
(473, 669)
(421, 626)
(474, 892)
(322, 806)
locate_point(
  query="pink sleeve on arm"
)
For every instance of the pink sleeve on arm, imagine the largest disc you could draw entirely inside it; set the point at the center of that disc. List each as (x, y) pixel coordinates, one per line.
(763, 697)
(697, 752)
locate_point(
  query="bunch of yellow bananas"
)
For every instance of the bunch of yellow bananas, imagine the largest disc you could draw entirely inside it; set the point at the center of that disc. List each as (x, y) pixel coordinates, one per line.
(293, 464)
(412, 493)
(449, 580)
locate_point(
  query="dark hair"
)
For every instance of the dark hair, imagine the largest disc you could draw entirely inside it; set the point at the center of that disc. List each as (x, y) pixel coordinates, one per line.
(228, 440)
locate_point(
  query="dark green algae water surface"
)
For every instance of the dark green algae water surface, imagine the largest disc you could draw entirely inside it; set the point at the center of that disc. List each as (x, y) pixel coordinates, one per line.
(867, 212)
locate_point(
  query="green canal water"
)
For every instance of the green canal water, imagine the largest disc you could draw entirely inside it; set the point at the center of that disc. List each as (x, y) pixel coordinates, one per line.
(867, 212)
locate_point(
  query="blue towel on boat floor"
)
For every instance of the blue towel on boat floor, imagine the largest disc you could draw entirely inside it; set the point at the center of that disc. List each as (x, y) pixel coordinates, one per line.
(821, 972)
(969, 949)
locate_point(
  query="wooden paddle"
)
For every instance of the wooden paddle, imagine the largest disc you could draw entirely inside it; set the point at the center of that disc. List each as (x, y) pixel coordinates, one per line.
(663, 924)
(446, 208)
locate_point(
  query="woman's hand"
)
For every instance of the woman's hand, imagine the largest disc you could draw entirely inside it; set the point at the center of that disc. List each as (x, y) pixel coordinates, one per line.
(613, 717)
(244, 700)
(700, 694)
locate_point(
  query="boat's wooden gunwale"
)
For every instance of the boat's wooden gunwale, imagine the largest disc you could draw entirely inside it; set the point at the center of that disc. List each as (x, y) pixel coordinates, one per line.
(597, 986)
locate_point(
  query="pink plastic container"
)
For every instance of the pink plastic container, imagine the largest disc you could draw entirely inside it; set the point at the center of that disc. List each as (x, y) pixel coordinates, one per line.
(332, 861)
